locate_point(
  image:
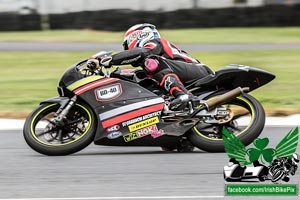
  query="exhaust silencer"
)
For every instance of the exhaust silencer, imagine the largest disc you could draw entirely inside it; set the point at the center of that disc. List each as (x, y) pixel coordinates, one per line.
(224, 98)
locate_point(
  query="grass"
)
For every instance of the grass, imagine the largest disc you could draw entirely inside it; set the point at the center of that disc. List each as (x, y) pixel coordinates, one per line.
(30, 77)
(205, 35)
(27, 78)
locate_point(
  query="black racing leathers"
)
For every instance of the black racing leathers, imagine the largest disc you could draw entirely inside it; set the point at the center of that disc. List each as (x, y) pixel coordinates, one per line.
(174, 65)
(133, 56)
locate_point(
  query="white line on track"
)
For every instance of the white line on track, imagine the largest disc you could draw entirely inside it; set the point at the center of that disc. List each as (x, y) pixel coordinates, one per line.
(120, 198)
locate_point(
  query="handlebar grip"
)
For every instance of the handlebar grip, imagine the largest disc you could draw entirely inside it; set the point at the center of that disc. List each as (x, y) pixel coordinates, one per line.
(224, 98)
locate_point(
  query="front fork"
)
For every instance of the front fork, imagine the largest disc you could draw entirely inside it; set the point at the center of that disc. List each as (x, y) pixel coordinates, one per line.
(63, 110)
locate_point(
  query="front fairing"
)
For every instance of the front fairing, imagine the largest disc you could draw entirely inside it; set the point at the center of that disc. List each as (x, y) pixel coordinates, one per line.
(123, 109)
(71, 75)
(116, 102)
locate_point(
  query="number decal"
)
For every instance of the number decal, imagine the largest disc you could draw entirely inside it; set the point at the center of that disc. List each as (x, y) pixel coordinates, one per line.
(109, 92)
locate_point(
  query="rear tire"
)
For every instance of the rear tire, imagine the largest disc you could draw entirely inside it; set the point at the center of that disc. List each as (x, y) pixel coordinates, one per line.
(43, 136)
(247, 135)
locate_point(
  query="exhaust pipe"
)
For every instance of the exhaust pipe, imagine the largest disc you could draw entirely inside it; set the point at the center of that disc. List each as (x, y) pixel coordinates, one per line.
(224, 98)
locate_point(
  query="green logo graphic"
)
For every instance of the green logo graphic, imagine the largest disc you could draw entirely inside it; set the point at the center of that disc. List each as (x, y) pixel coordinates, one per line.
(237, 150)
(268, 164)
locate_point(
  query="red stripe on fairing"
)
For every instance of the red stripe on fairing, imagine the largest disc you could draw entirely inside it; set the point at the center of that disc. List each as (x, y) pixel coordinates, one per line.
(131, 115)
(93, 85)
(167, 47)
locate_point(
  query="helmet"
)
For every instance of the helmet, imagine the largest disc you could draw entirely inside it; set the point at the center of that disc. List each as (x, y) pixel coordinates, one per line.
(138, 35)
(295, 158)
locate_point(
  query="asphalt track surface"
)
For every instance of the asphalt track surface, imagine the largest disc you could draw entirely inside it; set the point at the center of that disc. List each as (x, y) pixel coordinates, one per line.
(106, 173)
(73, 46)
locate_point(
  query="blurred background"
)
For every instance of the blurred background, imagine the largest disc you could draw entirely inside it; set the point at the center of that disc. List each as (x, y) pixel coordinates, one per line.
(39, 39)
(117, 15)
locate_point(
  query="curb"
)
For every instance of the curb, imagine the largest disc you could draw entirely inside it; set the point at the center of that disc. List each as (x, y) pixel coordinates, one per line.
(11, 124)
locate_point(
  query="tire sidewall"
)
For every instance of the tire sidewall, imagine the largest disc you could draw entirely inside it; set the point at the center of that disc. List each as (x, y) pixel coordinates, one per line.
(73, 147)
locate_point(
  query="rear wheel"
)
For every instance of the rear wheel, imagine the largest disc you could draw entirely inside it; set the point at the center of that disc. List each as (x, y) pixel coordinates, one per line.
(46, 137)
(244, 116)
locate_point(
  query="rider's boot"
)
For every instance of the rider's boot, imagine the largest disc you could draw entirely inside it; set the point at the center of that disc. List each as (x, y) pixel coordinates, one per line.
(172, 84)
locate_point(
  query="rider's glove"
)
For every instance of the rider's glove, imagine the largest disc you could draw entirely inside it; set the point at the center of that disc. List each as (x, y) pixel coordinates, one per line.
(93, 64)
(106, 61)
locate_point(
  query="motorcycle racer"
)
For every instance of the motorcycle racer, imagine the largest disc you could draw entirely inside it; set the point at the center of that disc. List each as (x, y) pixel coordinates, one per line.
(165, 62)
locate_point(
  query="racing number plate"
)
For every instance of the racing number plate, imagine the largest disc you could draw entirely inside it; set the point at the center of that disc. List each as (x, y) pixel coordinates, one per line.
(108, 93)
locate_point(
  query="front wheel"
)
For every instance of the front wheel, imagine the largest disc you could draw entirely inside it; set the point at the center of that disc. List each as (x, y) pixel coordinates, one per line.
(243, 116)
(46, 137)
(277, 175)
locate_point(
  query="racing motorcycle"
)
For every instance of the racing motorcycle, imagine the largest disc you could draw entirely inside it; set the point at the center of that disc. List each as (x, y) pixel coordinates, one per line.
(283, 167)
(125, 107)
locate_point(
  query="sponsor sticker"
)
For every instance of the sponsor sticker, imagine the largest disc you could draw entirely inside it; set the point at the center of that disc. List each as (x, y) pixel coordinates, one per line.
(143, 124)
(138, 119)
(158, 133)
(113, 128)
(114, 135)
(108, 92)
(140, 133)
(143, 35)
(131, 136)
(138, 34)
(146, 131)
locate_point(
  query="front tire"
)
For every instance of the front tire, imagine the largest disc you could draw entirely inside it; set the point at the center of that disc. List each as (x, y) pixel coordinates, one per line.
(278, 175)
(212, 142)
(44, 136)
